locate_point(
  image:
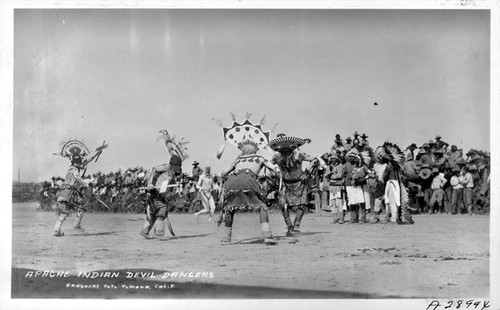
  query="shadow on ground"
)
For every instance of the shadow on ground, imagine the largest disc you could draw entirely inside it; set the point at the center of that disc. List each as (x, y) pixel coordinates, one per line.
(85, 234)
(184, 237)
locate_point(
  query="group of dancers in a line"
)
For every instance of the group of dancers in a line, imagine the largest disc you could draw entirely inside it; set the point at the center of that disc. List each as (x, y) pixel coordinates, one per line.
(241, 188)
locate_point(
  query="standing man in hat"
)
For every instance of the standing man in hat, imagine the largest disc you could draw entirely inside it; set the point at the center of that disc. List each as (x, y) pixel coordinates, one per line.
(411, 149)
(426, 178)
(70, 197)
(440, 160)
(161, 189)
(296, 191)
(457, 190)
(431, 144)
(347, 144)
(364, 140)
(356, 141)
(440, 144)
(453, 156)
(468, 184)
(197, 171)
(437, 185)
(427, 156)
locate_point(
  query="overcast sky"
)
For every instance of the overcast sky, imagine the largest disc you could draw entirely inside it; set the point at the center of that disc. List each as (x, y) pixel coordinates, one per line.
(122, 75)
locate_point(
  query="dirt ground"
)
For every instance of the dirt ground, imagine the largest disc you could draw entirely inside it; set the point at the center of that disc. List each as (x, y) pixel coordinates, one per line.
(441, 256)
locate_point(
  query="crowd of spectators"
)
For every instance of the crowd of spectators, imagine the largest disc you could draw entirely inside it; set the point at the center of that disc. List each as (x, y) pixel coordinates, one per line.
(440, 179)
(123, 191)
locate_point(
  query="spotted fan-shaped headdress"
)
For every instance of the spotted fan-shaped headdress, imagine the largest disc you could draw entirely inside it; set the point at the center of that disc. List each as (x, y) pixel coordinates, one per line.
(73, 149)
(392, 153)
(282, 142)
(244, 133)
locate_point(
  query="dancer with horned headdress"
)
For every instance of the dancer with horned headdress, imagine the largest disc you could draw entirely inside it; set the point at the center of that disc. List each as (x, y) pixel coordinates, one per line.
(297, 186)
(70, 197)
(241, 188)
(396, 194)
(162, 188)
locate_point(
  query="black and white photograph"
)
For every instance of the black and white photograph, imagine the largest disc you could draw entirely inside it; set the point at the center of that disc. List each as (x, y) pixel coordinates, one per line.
(244, 154)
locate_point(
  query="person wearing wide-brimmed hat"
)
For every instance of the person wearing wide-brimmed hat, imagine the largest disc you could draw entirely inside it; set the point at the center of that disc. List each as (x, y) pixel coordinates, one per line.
(439, 159)
(468, 184)
(348, 144)
(297, 189)
(410, 167)
(453, 156)
(437, 185)
(411, 150)
(426, 176)
(426, 156)
(364, 140)
(484, 178)
(412, 147)
(440, 144)
(431, 144)
(197, 171)
(457, 190)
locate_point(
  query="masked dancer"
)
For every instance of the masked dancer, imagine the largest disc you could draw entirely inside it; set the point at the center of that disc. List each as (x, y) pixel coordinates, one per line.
(296, 188)
(70, 197)
(162, 187)
(241, 189)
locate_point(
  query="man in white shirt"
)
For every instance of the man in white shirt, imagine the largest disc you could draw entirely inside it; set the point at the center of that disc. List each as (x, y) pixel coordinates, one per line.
(437, 190)
(457, 189)
(468, 184)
